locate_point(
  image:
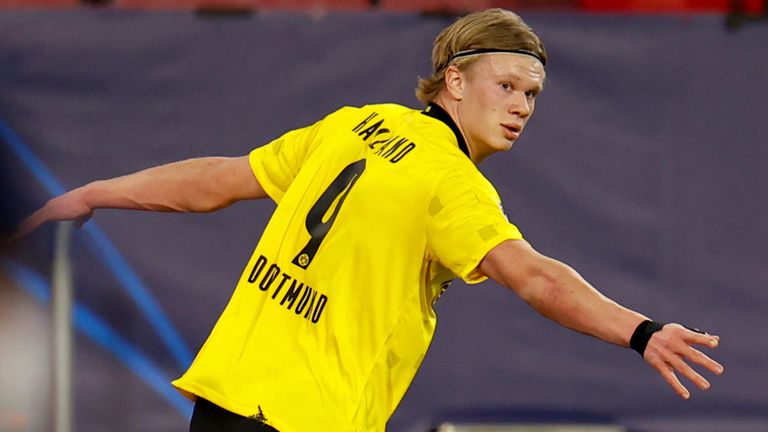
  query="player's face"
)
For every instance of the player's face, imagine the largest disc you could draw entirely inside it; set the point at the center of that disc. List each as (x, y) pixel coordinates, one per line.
(497, 100)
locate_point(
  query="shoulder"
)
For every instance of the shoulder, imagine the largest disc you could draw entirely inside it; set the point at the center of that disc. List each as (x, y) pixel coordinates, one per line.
(383, 108)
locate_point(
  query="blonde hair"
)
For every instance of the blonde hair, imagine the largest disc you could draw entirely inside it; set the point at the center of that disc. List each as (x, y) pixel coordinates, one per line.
(493, 28)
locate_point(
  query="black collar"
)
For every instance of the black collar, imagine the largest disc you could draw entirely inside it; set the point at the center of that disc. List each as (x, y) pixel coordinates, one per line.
(437, 112)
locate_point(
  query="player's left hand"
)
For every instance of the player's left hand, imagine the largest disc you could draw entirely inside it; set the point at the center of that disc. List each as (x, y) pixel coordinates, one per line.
(671, 349)
(67, 207)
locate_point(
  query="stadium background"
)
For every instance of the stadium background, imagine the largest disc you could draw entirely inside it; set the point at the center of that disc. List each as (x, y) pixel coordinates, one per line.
(644, 168)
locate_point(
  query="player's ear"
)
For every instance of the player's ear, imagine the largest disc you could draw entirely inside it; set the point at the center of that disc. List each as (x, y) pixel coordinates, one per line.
(454, 82)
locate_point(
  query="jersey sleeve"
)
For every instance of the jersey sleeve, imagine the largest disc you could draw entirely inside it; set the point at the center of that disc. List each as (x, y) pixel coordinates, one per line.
(465, 222)
(276, 164)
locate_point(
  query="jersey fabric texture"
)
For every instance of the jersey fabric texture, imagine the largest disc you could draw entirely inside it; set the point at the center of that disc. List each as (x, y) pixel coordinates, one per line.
(378, 210)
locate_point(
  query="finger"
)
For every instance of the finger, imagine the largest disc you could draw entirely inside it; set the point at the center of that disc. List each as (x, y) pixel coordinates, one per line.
(704, 360)
(28, 225)
(687, 371)
(667, 372)
(698, 357)
(704, 339)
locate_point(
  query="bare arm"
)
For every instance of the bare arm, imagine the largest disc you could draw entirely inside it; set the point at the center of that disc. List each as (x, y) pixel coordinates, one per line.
(559, 293)
(193, 185)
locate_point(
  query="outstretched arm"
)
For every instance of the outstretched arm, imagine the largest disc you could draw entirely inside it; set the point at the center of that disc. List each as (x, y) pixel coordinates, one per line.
(193, 185)
(559, 293)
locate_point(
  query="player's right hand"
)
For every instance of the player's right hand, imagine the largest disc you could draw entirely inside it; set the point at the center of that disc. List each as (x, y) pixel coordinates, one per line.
(67, 207)
(670, 350)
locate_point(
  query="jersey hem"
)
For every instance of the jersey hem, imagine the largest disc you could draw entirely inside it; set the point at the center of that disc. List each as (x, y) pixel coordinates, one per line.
(192, 389)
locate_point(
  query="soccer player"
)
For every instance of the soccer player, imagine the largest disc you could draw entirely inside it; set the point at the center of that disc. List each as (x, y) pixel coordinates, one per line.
(378, 209)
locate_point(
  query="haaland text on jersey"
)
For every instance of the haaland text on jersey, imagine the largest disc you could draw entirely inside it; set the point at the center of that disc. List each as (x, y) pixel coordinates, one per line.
(391, 147)
(299, 297)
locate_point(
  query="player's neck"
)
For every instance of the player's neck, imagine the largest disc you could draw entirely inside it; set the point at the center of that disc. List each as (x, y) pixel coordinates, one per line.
(451, 106)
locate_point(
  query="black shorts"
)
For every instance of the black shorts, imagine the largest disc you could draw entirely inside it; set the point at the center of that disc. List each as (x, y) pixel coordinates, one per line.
(208, 417)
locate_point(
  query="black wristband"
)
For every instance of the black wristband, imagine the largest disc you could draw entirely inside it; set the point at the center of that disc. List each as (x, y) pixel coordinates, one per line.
(643, 334)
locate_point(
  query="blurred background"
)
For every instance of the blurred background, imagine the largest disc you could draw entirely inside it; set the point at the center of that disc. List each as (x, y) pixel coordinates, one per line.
(644, 168)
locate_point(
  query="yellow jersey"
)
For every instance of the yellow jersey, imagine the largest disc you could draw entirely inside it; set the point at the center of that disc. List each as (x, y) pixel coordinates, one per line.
(378, 209)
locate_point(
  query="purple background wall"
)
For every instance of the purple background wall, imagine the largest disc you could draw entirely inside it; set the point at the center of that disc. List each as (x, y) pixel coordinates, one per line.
(644, 168)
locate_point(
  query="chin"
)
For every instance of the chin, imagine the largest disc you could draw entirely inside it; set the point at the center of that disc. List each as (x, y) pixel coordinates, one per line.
(507, 145)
